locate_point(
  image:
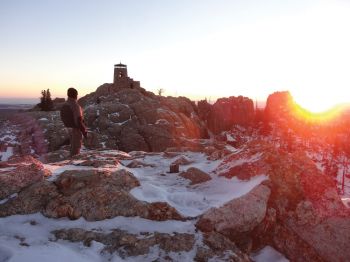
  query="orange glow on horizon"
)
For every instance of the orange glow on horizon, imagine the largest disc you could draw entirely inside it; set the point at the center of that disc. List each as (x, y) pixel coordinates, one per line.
(319, 117)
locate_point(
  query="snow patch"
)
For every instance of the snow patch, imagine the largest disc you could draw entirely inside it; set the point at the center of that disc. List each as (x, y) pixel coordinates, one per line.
(122, 123)
(159, 185)
(162, 122)
(4, 156)
(268, 254)
(8, 137)
(3, 201)
(230, 138)
(115, 114)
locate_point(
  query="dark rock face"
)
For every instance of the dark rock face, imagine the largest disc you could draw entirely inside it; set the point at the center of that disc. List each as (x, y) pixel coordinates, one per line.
(227, 112)
(279, 106)
(133, 119)
(204, 109)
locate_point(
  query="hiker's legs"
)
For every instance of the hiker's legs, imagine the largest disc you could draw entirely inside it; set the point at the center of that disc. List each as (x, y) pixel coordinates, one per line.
(75, 141)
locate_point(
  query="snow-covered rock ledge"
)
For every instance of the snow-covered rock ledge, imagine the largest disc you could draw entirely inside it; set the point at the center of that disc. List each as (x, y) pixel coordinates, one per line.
(109, 205)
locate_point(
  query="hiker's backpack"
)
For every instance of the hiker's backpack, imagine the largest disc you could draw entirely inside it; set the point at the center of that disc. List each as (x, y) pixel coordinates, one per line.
(67, 116)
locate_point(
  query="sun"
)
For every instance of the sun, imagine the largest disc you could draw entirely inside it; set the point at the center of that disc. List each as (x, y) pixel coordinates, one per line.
(317, 107)
(317, 102)
(319, 114)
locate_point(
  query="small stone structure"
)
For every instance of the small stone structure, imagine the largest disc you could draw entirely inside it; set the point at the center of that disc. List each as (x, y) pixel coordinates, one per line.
(121, 79)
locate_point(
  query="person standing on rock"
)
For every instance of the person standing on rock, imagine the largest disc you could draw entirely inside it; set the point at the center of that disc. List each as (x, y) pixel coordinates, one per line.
(72, 117)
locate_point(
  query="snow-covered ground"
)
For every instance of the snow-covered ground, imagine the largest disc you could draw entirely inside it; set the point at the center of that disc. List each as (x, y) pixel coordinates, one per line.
(28, 237)
(8, 140)
(4, 156)
(159, 185)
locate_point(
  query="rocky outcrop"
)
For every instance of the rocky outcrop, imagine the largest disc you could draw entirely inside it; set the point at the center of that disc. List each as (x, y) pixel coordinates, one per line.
(214, 246)
(195, 175)
(301, 212)
(136, 164)
(37, 133)
(307, 207)
(55, 156)
(279, 107)
(132, 119)
(182, 160)
(238, 218)
(227, 112)
(219, 248)
(129, 245)
(30, 200)
(20, 173)
(94, 195)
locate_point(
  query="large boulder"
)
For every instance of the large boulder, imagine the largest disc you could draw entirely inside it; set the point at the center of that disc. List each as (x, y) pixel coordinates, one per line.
(239, 217)
(20, 173)
(30, 200)
(195, 175)
(219, 248)
(92, 194)
(99, 195)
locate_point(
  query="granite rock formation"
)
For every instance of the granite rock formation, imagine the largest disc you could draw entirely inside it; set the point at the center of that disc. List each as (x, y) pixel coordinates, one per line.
(227, 112)
(93, 195)
(19, 173)
(302, 209)
(133, 119)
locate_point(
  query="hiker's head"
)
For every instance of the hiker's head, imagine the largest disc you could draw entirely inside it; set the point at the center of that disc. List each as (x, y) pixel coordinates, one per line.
(72, 93)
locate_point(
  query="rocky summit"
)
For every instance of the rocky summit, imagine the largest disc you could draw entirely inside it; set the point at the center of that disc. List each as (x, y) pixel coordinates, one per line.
(167, 179)
(251, 202)
(132, 119)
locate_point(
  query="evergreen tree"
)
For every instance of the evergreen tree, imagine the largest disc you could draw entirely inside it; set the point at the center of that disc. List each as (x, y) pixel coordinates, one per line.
(49, 102)
(46, 103)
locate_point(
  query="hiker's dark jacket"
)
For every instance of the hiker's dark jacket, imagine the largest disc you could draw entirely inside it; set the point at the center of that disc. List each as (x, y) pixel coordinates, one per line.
(78, 115)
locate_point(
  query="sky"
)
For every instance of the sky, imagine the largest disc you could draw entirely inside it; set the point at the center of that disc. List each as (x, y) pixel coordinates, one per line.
(195, 48)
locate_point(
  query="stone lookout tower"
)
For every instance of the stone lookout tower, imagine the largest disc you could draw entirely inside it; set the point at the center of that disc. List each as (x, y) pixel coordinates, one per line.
(121, 79)
(120, 72)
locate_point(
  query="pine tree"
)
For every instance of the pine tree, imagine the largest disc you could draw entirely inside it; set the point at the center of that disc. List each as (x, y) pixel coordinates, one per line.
(46, 103)
(49, 102)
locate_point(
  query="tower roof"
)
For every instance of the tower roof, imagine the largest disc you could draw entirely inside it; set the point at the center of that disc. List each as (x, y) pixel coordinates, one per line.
(119, 65)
